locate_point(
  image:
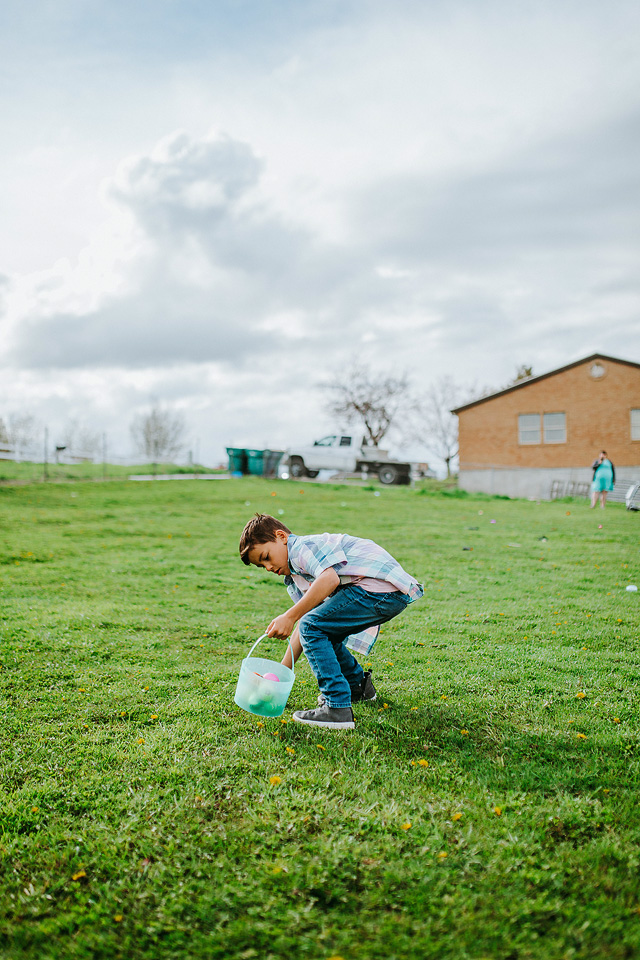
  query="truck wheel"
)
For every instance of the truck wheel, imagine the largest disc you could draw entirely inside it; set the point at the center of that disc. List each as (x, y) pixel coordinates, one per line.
(387, 474)
(313, 473)
(296, 467)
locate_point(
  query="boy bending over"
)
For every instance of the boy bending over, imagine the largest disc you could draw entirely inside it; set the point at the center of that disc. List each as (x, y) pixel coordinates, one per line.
(341, 586)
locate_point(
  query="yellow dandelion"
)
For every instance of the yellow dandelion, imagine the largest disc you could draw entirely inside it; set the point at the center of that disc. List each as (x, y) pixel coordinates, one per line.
(283, 720)
(581, 736)
(140, 739)
(444, 697)
(260, 724)
(405, 826)
(465, 733)
(415, 708)
(275, 780)
(79, 875)
(423, 763)
(456, 816)
(497, 811)
(290, 750)
(580, 695)
(616, 719)
(118, 918)
(443, 855)
(320, 747)
(82, 689)
(34, 809)
(145, 688)
(154, 716)
(198, 798)
(413, 763)
(385, 706)
(123, 713)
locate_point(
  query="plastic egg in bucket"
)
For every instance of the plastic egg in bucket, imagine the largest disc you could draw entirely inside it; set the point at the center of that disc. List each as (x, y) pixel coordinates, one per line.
(257, 693)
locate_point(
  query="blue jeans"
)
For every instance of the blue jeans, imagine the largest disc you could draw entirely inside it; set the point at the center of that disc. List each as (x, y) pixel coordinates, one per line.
(324, 629)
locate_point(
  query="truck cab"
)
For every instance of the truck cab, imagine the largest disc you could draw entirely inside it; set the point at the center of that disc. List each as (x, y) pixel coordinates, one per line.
(334, 452)
(340, 452)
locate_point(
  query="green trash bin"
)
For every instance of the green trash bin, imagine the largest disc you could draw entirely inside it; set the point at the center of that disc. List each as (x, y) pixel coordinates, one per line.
(255, 462)
(272, 460)
(237, 460)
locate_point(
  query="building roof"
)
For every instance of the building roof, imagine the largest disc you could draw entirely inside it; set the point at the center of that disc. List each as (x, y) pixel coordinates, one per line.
(543, 376)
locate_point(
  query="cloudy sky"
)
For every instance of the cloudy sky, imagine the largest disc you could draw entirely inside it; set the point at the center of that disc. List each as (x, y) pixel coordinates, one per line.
(216, 204)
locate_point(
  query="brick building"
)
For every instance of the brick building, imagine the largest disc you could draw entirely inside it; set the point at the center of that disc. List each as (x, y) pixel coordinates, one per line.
(550, 428)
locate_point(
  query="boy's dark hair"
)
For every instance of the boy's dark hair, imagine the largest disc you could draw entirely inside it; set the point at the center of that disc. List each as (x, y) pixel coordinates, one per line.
(260, 529)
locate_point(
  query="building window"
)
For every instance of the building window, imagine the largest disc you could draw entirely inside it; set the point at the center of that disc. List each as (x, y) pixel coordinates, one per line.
(529, 428)
(554, 427)
(635, 424)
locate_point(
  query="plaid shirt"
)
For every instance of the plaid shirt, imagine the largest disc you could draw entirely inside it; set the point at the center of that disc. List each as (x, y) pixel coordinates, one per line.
(350, 557)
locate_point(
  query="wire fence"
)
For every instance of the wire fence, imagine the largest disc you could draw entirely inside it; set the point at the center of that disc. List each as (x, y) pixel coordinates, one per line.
(41, 463)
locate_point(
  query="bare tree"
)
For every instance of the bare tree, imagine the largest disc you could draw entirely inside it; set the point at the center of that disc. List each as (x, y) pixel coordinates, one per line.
(358, 394)
(436, 427)
(523, 372)
(80, 439)
(158, 434)
(22, 431)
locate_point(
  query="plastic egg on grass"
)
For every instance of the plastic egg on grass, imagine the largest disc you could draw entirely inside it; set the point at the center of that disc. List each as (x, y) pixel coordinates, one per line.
(632, 588)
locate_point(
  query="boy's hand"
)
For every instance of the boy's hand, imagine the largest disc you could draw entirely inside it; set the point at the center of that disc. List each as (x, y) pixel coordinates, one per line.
(281, 627)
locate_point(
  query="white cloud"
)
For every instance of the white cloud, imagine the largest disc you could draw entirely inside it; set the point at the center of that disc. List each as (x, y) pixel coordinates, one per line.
(443, 188)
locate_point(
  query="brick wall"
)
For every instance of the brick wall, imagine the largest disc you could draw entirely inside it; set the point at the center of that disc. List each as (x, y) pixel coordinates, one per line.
(597, 416)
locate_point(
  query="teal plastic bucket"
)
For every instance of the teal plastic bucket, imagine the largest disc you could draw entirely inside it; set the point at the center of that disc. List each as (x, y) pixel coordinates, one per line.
(254, 693)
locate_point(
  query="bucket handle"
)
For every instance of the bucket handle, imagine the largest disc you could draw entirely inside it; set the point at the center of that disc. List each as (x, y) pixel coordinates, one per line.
(262, 638)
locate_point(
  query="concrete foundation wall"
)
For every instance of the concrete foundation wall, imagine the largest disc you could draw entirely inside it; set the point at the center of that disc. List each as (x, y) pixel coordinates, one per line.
(528, 482)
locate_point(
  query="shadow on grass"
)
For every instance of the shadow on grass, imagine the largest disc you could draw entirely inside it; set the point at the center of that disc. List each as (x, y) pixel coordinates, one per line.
(509, 759)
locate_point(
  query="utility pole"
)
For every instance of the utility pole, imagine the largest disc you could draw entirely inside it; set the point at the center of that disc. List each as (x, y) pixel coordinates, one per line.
(46, 444)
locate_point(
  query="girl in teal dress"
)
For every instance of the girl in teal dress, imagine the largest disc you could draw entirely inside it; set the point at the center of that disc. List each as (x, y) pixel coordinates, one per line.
(604, 477)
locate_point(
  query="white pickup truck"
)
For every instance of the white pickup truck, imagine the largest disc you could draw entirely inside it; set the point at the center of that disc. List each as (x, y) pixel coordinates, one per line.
(341, 453)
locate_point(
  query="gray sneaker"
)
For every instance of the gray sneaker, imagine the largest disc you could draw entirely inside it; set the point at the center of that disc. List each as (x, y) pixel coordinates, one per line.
(366, 691)
(338, 718)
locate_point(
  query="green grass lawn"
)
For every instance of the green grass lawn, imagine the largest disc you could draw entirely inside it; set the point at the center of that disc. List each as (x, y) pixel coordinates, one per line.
(485, 806)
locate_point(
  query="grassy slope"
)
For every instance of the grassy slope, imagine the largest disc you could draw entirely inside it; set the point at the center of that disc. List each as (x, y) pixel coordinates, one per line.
(125, 764)
(12, 470)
